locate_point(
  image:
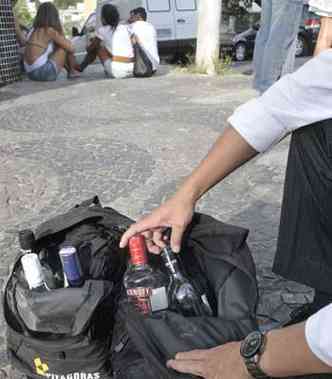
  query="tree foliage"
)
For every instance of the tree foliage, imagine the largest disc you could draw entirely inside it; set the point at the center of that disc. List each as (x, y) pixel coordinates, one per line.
(236, 7)
(22, 13)
(63, 4)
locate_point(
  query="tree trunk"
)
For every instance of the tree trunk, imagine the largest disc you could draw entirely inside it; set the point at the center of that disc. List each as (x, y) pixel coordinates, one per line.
(208, 36)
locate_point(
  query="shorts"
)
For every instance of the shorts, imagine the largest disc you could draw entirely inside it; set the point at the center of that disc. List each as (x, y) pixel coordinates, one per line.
(118, 70)
(46, 73)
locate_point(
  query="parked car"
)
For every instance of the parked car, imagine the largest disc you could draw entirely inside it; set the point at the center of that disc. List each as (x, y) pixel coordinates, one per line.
(244, 43)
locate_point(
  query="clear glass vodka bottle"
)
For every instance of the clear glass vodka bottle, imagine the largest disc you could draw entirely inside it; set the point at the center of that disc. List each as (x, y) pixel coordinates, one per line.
(146, 288)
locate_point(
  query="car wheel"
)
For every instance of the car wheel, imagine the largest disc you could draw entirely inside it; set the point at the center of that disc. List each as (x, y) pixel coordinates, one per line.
(240, 51)
(302, 48)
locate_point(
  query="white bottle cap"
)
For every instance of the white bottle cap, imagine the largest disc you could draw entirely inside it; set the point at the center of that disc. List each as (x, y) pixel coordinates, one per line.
(32, 270)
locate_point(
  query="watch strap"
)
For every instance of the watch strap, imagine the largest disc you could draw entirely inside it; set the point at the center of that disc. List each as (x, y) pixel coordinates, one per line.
(252, 364)
(254, 370)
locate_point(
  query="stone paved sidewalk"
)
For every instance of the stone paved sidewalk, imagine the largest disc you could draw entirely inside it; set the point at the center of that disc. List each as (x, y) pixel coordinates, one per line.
(131, 142)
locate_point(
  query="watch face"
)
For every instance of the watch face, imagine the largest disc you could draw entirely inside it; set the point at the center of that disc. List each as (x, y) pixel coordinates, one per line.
(251, 345)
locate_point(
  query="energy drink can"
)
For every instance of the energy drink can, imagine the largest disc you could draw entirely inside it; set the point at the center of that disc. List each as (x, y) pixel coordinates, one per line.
(71, 266)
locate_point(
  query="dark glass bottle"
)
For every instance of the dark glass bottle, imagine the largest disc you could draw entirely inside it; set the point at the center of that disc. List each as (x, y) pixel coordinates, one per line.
(182, 295)
(146, 288)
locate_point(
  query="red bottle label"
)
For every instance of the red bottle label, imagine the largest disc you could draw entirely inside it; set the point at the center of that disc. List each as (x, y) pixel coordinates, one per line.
(137, 249)
(141, 298)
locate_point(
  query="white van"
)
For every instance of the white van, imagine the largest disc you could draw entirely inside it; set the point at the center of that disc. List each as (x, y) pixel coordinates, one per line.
(174, 20)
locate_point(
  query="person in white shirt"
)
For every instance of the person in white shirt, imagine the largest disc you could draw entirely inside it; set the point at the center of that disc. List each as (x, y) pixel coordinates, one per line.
(300, 103)
(145, 34)
(112, 45)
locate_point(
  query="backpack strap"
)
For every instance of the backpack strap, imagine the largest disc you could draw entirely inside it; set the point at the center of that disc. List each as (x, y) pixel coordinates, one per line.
(83, 212)
(93, 201)
(10, 313)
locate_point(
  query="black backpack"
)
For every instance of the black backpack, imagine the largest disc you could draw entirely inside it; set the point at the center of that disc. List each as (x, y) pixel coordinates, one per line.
(66, 333)
(143, 67)
(218, 261)
(91, 332)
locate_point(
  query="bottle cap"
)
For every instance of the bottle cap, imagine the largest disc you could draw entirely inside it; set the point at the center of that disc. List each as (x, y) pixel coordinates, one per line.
(137, 249)
(26, 239)
(32, 270)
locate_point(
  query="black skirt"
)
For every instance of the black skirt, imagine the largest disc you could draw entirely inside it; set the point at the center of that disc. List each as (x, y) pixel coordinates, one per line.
(304, 251)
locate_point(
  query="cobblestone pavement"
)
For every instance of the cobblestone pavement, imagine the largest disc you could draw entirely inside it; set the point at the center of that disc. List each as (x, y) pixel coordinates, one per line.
(131, 142)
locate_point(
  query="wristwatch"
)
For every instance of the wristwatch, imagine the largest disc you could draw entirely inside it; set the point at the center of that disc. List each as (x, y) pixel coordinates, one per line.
(252, 347)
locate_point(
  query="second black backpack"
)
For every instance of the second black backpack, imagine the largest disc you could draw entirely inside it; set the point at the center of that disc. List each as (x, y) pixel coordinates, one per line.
(217, 259)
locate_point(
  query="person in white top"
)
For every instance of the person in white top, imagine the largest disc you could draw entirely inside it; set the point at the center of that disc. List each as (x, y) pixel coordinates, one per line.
(112, 45)
(145, 34)
(300, 103)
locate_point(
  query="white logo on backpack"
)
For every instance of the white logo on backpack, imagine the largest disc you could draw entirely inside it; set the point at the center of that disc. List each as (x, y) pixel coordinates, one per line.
(75, 375)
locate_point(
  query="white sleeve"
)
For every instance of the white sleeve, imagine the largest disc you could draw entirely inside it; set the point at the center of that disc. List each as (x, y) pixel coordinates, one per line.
(131, 29)
(296, 100)
(318, 332)
(102, 32)
(321, 7)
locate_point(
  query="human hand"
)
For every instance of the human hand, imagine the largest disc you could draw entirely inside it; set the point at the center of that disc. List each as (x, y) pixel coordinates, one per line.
(221, 362)
(175, 213)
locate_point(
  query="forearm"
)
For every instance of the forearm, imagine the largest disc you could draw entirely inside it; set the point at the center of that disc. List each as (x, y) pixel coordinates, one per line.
(228, 153)
(68, 46)
(61, 41)
(324, 40)
(20, 37)
(19, 34)
(288, 354)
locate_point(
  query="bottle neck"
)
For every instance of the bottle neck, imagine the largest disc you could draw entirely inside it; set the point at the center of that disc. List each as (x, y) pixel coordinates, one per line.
(141, 266)
(138, 258)
(171, 263)
(137, 251)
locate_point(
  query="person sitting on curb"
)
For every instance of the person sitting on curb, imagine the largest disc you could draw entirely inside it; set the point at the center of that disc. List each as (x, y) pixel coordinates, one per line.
(47, 51)
(299, 103)
(145, 34)
(112, 45)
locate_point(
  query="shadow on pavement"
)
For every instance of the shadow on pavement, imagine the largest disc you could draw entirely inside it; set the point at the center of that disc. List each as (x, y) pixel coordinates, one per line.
(92, 73)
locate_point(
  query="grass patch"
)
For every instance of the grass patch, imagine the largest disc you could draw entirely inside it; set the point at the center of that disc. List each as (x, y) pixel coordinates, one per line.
(188, 65)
